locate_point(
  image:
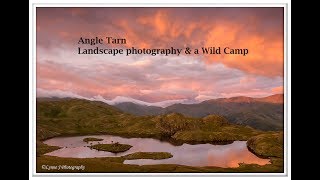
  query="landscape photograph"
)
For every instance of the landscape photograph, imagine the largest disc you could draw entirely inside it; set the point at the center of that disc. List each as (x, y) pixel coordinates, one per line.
(160, 113)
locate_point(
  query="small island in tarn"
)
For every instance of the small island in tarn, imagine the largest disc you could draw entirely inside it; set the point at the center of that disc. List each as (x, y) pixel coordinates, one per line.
(114, 148)
(91, 139)
(148, 155)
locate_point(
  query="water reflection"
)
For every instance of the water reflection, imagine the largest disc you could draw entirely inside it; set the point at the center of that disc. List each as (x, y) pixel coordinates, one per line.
(229, 155)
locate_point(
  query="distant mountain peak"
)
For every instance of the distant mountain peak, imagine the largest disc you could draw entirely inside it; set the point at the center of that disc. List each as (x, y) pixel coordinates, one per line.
(163, 104)
(276, 98)
(43, 93)
(237, 99)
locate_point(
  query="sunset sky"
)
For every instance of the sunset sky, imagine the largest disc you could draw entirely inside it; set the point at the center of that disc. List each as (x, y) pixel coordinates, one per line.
(62, 72)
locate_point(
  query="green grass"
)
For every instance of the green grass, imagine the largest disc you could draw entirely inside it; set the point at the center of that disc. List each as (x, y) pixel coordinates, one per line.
(114, 148)
(267, 145)
(203, 136)
(148, 155)
(91, 139)
(216, 131)
(43, 148)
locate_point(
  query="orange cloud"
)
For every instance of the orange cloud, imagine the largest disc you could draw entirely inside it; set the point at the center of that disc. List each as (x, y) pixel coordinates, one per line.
(166, 27)
(158, 22)
(277, 90)
(259, 73)
(265, 49)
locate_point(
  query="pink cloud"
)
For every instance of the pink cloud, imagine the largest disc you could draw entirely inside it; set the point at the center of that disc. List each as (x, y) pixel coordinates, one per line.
(254, 29)
(156, 79)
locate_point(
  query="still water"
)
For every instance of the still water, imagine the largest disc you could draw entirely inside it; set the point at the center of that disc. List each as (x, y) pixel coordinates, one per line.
(229, 155)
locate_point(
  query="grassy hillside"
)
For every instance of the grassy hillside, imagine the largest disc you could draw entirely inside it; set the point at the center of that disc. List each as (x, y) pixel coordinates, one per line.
(267, 145)
(75, 116)
(212, 128)
(259, 113)
(140, 110)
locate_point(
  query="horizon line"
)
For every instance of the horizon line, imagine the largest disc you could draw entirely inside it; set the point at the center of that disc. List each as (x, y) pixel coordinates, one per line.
(144, 103)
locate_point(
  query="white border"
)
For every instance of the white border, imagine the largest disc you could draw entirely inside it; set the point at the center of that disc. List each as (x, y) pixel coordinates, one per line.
(97, 3)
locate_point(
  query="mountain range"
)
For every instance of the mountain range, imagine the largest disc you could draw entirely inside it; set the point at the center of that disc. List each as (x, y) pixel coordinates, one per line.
(261, 113)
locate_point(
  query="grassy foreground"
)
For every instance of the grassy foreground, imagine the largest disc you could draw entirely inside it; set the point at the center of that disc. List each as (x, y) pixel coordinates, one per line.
(68, 117)
(115, 164)
(42, 148)
(267, 145)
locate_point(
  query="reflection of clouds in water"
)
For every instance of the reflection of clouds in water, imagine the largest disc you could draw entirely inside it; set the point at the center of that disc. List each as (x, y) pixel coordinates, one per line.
(79, 152)
(193, 155)
(233, 155)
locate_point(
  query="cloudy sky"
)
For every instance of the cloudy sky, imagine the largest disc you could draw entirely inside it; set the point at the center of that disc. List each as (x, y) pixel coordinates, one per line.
(194, 78)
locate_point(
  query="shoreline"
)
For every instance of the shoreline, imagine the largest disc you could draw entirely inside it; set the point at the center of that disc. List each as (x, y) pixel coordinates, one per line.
(275, 162)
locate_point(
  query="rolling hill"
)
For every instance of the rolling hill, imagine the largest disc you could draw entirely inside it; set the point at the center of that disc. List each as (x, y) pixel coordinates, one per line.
(140, 110)
(59, 117)
(260, 113)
